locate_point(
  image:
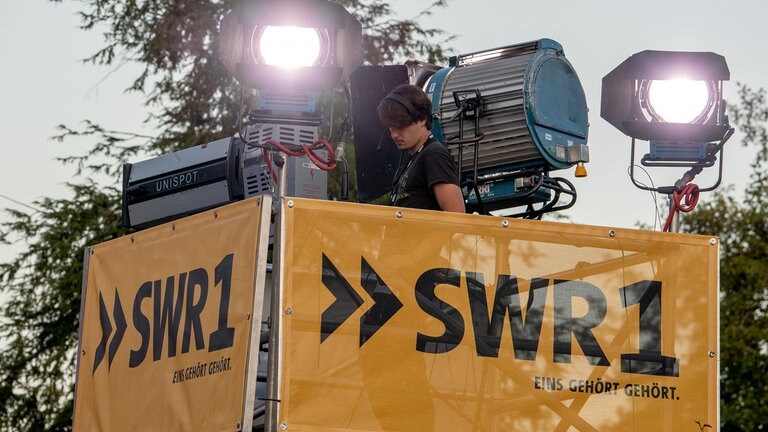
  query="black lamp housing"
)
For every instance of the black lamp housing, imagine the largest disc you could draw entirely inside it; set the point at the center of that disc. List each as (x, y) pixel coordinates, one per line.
(342, 43)
(622, 95)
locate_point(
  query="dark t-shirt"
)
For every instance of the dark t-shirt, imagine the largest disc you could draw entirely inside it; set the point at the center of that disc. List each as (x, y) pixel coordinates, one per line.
(430, 166)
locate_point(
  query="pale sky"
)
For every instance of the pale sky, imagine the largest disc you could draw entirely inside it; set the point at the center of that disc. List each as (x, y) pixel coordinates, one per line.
(43, 83)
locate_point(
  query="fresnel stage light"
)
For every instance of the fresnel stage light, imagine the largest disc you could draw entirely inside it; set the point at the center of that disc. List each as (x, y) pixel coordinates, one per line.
(288, 50)
(290, 44)
(674, 100)
(527, 113)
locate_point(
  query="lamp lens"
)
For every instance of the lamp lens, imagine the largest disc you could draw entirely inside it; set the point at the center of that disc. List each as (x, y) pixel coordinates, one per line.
(679, 100)
(289, 47)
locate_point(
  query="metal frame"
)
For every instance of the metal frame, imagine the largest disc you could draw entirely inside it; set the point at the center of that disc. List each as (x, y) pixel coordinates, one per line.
(696, 167)
(260, 274)
(83, 290)
(274, 373)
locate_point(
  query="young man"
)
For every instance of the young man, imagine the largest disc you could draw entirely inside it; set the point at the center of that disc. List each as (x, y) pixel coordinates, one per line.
(429, 179)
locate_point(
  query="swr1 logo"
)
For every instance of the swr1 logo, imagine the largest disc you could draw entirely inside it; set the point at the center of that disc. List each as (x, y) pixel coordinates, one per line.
(187, 292)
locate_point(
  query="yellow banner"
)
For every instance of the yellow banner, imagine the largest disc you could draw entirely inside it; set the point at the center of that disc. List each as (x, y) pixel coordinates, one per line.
(409, 320)
(166, 324)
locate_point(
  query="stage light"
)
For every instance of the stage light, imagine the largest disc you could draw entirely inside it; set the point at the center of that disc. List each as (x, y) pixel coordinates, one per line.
(288, 47)
(293, 45)
(673, 100)
(667, 96)
(510, 116)
(532, 107)
(289, 51)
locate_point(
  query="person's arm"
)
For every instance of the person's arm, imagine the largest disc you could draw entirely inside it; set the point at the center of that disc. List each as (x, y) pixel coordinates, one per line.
(449, 197)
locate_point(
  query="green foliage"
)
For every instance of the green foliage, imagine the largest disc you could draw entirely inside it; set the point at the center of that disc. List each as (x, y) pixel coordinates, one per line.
(191, 99)
(751, 116)
(743, 230)
(40, 315)
(409, 38)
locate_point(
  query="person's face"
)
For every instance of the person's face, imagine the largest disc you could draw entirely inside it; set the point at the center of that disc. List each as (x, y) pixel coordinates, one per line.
(409, 137)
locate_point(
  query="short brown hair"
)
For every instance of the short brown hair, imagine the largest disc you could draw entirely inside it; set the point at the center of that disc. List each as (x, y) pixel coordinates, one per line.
(394, 109)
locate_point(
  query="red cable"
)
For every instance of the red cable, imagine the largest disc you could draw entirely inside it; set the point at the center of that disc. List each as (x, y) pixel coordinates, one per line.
(690, 194)
(325, 165)
(268, 161)
(284, 149)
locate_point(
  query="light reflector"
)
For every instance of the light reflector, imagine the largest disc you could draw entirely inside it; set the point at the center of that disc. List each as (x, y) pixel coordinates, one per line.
(678, 100)
(287, 47)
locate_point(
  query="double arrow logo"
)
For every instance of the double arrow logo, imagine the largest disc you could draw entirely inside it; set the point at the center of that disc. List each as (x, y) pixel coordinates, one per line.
(348, 301)
(106, 331)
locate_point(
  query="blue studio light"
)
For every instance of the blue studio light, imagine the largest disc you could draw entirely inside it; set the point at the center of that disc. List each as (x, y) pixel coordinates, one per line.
(528, 109)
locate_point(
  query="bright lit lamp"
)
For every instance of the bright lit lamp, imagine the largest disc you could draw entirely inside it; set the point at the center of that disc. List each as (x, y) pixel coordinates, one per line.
(674, 100)
(290, 44)
(667, 96)
(288, 47)
(678, 100)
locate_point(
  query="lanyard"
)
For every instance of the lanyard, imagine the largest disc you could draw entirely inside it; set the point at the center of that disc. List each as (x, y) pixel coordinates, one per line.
(396, 185)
